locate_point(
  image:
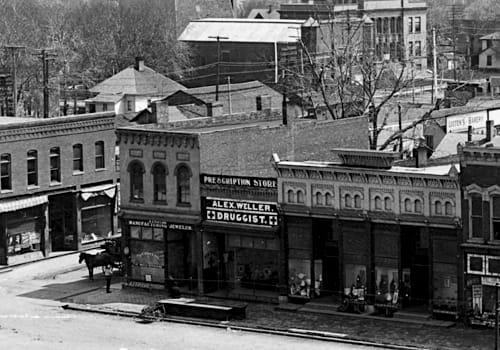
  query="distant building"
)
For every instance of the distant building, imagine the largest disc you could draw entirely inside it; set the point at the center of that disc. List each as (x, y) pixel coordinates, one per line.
(57, 184)
(489, 57)
(131, 90)
(269, 13)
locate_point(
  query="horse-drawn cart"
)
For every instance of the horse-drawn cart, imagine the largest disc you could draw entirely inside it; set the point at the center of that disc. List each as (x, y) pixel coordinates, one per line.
(110, 256)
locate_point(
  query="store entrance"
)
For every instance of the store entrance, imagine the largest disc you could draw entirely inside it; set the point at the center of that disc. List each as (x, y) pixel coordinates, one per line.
(62, 222)
(326, 258)
(415, 266)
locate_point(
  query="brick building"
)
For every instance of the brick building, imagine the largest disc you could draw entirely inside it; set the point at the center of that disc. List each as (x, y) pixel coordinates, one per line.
(480, 254)
(58, 184)
(359, 223)
(199, 196)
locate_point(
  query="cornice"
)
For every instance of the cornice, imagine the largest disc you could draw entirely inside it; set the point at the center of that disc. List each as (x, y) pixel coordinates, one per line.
(65, 127)
(145, 137)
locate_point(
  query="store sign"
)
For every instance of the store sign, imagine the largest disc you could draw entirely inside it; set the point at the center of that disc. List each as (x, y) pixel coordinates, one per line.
(241, 212)
(181, 227)
(243, 181)
(490, 281)
(148, 223)
(461, 122)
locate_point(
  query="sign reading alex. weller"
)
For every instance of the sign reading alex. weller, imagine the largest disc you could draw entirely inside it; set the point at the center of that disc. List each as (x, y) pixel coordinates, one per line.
(241, 212)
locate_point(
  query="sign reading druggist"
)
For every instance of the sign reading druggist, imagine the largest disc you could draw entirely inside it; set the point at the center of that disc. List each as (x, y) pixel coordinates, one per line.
(241, 212)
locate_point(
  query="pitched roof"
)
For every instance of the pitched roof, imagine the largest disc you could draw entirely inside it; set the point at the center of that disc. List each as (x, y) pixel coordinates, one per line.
(131, 81)
(492, 36)
(243, 30)
(264, 14)
(448, 145)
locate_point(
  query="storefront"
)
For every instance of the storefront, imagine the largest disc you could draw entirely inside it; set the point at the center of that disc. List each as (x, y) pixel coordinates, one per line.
(481, 282)
(160, 250)
(241, 247)
(97, 210)
(23, 230)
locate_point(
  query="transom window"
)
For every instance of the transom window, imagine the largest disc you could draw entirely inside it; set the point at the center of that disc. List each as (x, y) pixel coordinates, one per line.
(55, 164)
(32, 164)
(5, 172)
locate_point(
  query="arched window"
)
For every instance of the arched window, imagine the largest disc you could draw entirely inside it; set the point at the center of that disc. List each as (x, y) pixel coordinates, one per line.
(357, 201)
(136, 170)
(378, 203)
(448, 208)
(348, 201)
(328, 199)
(291, 196)
(300, 197)
(159, 183)
(438, 208)
(183, 184)
(319, 198)
(407, 205)
(418, 206)
(387, 203)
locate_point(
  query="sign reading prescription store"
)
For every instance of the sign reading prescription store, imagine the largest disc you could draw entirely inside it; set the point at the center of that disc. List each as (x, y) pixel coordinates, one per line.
(461, 122)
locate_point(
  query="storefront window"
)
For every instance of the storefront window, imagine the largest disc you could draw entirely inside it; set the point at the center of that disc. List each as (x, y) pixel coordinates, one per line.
(23, 232)
(386, 286)
(355, 277)
(300, 279)
(96, 223)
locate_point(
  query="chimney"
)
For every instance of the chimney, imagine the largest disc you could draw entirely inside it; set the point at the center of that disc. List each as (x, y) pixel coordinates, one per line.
(421, 153)
(489, 130)
(270, 9)
(214, 109)
(139, 64)
(159, 110)
(469, 133)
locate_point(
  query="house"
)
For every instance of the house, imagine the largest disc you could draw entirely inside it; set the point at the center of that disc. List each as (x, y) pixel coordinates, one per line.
(131, 90)
(356, 223)
(399, 25)
(489, 57)
(269, 13)
(199, 197)
(57, 185)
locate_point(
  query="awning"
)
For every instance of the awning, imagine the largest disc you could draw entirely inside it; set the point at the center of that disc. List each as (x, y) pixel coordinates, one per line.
(89, 192)
(22, 203)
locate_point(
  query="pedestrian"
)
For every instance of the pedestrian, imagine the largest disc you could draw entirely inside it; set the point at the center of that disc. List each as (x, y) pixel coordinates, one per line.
(108, 272)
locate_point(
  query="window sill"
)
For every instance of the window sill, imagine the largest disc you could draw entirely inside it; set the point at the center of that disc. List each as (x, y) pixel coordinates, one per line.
(55, 183)
(184, 205)
(136, 200)
(6, 191)
(33, 187)
(160, 202)
(494, 242)
(476, 240)
(78, 173)
(100, 169)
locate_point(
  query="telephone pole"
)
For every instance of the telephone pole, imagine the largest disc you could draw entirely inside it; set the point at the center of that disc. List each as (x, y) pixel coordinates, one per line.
(45, 55)
(218, 37)
(14, 49)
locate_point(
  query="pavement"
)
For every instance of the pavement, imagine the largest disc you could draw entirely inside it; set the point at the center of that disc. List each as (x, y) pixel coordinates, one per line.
(376, 331)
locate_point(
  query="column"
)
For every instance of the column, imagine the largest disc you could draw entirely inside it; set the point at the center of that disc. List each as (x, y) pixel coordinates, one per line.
(78, 221)
(199, 257)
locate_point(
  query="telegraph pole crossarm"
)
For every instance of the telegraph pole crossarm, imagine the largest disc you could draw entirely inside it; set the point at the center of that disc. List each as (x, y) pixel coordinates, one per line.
(219, 38)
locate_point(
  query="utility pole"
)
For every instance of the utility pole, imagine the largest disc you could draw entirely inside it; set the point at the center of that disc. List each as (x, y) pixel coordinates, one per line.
(45, 56)
(229, 94)
(454, 40)
(434, 68)
(400, 122)
(218, 37)
(13, 51)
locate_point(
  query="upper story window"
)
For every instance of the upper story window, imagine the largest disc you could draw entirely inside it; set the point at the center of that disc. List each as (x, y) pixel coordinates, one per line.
(290, 196)
(418, 24)
(319, 198)
(388, 203)
(183, 175)
(159, 183)
(378, 203)
(418, 206)
(410, 48)
(348, 201)
(449, 209)
(129, 106)
(55, 165)
(99, 155)
(495, 217)
(328, 199)
(408, 205)
(393, 25)
(476, 215)
(410, 24)
(78, 158)
(489, 60)
(104, 107)
(418, 48)
(300, 197)
(438, 208)
(32, 163)
(357, 201)
(5, 172)
(136, 171)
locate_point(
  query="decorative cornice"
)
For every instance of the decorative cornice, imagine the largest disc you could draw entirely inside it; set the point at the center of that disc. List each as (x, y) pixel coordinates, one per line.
(57, 127)
(164, 139)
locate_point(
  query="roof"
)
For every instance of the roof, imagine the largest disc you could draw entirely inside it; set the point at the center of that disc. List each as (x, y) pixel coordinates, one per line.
(15, 120)
(264, 14)
(131, 81)
(448, 145)
(243, 95)
(243, 30)
(105, 98)
(492, 36)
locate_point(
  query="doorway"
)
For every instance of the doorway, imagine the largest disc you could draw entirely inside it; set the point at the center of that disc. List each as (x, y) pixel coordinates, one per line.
(62, 223)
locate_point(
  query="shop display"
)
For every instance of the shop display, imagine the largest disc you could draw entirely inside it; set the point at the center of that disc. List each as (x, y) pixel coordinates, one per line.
(300, 280)
(25, 242)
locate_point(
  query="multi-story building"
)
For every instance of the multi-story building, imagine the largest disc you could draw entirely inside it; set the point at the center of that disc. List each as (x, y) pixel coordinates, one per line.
(58, 184)
(399, 25)
(198, 197)
(358, 221)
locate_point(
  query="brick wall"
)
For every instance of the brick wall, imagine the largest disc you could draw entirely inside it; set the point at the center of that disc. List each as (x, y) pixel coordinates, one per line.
(248, 151)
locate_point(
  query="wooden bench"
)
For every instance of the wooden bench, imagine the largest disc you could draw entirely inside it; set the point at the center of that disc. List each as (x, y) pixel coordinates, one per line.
(189, 308)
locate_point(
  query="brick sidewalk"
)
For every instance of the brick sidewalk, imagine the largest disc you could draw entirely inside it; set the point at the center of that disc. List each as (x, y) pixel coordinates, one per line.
(266, 315)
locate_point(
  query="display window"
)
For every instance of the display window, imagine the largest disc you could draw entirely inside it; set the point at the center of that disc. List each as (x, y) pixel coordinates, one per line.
(146, 233)
(386, 287)
(97, 216)
(355, 277)
(300, 278)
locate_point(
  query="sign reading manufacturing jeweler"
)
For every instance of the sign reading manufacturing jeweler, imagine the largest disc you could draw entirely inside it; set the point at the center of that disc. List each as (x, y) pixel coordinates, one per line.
(241, 212)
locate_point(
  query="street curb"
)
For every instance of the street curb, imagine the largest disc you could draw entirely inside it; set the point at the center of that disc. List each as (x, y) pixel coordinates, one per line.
(305, 334)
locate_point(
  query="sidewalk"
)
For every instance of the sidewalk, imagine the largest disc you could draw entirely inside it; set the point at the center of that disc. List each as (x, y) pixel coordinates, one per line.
(130, 301)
